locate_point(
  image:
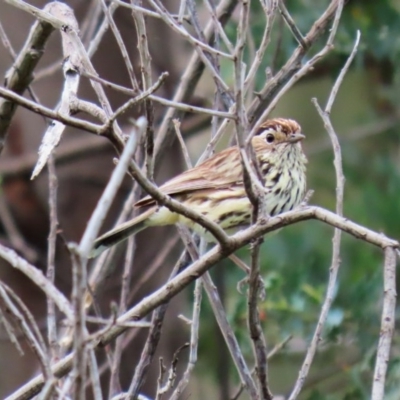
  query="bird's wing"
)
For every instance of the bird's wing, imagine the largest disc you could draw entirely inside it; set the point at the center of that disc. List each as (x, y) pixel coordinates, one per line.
(218, 172)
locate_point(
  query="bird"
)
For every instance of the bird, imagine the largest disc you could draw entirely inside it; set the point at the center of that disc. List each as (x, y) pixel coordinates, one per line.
(215, 187)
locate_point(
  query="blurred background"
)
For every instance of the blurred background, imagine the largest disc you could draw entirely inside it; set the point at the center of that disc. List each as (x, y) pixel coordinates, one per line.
(295, 262)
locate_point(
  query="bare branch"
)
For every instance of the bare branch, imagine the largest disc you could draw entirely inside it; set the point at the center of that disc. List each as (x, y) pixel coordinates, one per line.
(154, 334)
(194, 341)
(47, 112)
(305, 68)
(127, 60)
(21, 74)
(276, 349)
(104, 203)
(289, 73)
(266, 38)
(388, 320)
(137, 99)
(223, 323)
(145, 69)
(185, 151)
(115, 385)
(190, 77)
(37, 277)
(7, 305)
(161, 100)
(334, 269)
(197, 44)
(291, 24)
(171, 288)
(54, 132)
(51, 254)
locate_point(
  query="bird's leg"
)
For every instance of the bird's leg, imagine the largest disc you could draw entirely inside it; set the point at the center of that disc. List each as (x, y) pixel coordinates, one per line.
(244, 267)
(306, 199)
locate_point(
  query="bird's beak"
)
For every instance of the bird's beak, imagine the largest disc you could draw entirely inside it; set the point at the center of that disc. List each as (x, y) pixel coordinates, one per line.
(295, 137)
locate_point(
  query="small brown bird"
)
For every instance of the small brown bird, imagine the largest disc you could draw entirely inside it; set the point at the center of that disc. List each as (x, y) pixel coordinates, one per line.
(215, 187)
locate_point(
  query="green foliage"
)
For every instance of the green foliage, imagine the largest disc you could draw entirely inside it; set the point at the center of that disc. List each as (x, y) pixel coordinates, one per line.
(378, 22)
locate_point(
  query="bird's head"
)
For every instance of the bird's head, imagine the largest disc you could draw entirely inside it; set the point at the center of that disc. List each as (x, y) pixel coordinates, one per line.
(279, 130)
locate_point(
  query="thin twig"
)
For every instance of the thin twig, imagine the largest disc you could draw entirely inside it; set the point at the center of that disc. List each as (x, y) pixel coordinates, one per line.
(230, 338)
(10, 331)
(77, 149)
(51, 254)
(223, 323)
(137, 99)
(194, 341)
(94, 375)
(145, 70)
(9, 307)
(121, 44)
(162, 389)
(388, 320)
(154, 335)
(49, 113)
(218, 26)
(304, 69)
(334, 269)
(291, 24)
(71, 65)
(190, 78)
(109, 193)
(266, 38)
(101, 269)
(20, 75)
(288, 74)
(256, 198)
(101, 30)
(80, 345)
(142, 10)
(248, 161)
(99, 215)
(13, 56)
(254, 324)
(115, 385)
(276, 349)
(28, 315)
(185, 151)
(161, 100)
(222, 88)
(90, 23)
(37, 277)
(197, 44)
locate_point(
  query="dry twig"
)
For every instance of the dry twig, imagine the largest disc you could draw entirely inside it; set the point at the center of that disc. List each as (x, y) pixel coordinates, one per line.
(334, 268)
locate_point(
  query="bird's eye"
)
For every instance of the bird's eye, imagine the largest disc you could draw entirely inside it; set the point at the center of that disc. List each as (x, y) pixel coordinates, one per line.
(270, 138)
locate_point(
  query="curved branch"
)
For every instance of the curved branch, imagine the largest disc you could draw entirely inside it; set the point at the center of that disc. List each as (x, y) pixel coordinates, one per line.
(177, 284)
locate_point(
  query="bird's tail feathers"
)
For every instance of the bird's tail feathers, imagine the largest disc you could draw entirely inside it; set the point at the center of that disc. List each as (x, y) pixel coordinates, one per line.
(120, 233)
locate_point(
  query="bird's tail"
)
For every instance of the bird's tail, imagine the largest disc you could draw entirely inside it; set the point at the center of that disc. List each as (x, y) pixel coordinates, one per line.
(120, 233)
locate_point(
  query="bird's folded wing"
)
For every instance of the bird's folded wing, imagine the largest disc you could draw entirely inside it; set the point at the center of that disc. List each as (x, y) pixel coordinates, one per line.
(218, 172)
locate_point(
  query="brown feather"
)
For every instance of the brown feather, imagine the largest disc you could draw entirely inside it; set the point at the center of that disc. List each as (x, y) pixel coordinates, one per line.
(220, 171)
